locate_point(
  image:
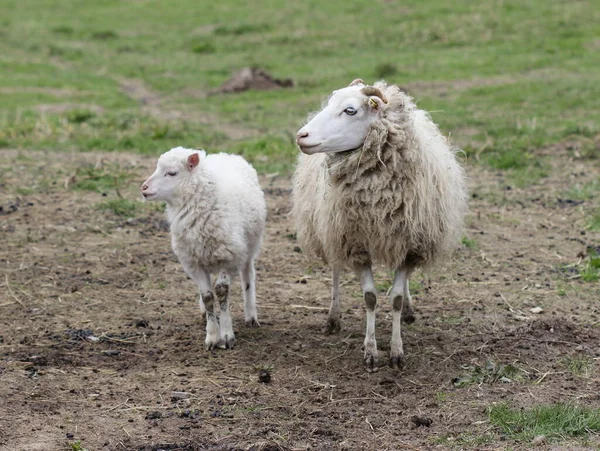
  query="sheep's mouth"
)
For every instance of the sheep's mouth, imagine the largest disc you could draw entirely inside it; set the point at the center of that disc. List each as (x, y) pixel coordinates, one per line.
(149, 196)
(309, 149)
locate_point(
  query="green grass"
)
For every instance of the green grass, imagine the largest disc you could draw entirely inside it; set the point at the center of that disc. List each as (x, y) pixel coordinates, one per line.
(593, 221)
(468, 243)
(100, 179)
(77, 446)
(555, 422)
(583, 192)
(465, 440)
(489, 373)
(120, 207)
(520, 77)
(588, 269)
(578, 365)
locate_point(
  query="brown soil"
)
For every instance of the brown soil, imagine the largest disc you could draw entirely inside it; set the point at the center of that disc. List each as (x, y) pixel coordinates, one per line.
(252, 78)
(101, 339)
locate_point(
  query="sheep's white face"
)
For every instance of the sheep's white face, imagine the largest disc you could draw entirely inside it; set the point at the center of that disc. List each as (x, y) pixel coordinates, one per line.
(343, 124)
(172, 169)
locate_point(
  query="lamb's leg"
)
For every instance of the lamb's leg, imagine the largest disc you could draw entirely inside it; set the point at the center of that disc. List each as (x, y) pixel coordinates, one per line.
(368, 287)
(248, 278)
(207, 299)
(398, 299)
(226, 336)
(333, 321)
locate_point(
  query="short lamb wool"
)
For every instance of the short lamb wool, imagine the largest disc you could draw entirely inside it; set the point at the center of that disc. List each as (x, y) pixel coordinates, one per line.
(217, 212)
(377, 183)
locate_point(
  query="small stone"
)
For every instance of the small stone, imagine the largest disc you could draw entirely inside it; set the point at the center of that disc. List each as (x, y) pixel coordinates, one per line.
(538, 440)
(536, 310)
(180, 395)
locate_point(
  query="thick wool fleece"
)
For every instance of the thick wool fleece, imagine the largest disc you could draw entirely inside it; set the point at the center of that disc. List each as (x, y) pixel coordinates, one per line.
(398, 200)
(219, 217)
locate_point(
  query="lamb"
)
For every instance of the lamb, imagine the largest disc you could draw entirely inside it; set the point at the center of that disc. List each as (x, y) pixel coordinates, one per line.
(376, 182)
(217, 212)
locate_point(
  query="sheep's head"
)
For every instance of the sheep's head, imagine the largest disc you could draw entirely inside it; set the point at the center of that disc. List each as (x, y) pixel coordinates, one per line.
(172, 171)
(345, 121)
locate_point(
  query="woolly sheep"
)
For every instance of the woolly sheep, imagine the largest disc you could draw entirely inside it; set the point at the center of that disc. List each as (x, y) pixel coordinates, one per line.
(376, 182)
(217, 212)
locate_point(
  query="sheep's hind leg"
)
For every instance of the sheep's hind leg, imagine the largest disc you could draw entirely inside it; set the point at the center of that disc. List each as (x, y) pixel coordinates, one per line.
(248, 278)
(398, 299)
(333, 321)
(368, 287)
(207, 299)
(226, 336)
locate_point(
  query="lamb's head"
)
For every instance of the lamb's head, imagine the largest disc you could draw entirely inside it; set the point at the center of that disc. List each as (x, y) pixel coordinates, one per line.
(173, 171)
(343, 124)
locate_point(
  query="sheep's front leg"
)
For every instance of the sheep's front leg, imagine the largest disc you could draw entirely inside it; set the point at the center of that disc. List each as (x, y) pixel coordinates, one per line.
(226, 336)
(333, 321)
(368, 287)
(207, 299)
(408, 313)
(248, 278)
(398, 299)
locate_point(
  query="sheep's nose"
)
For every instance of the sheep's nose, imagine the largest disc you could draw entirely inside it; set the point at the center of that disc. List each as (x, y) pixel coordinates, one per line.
(144, 187)
(301, 135)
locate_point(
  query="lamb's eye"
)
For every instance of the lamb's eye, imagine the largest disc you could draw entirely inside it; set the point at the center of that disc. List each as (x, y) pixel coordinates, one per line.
(171, 173)
(350, 111)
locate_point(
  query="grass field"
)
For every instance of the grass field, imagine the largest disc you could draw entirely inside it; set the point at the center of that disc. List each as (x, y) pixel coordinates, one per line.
(505, 349)
(503, 77)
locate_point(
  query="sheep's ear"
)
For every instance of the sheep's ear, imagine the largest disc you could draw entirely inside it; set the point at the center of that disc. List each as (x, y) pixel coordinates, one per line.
(193, 161)
(375, 104)
(357, 81)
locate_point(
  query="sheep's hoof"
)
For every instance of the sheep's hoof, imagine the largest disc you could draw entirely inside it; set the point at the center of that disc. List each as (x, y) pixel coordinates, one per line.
(371, 361)
(397, 361)
(252, 322)
(408, 317)
(221, 290)
(333, 326)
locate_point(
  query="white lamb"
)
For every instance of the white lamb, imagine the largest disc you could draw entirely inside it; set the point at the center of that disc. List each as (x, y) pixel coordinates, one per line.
(378, 183)
(217, 214)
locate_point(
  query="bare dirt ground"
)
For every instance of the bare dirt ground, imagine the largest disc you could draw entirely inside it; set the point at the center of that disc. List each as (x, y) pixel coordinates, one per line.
(101, 339)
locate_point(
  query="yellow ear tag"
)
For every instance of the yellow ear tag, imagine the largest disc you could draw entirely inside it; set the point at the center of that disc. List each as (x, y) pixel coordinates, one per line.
(373, 104)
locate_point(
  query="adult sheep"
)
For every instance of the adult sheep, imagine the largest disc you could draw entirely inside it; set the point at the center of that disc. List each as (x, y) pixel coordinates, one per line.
(217, 213)
(377, 183)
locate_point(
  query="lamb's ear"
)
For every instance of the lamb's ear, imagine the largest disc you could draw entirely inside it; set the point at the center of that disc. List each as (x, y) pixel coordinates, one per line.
(192, 161)
(357, 81)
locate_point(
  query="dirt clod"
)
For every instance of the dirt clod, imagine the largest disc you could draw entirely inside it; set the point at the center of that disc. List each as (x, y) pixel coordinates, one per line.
(419, 421)
(142, 323)
(252, 78)
(264, 376)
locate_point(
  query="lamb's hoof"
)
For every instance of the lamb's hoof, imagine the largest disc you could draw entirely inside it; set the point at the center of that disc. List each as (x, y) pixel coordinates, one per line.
(252, 322)
(333, 326)
(211, 344)
(371, 361)
(227, 342)
(408, 318)
(397, 361)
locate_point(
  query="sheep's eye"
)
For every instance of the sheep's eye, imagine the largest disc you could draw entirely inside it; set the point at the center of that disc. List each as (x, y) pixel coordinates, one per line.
(171, 173)
(350, 111)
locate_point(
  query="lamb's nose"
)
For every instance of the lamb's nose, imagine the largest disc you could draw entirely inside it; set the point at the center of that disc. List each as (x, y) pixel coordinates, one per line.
(144, 187)
(301, 135)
